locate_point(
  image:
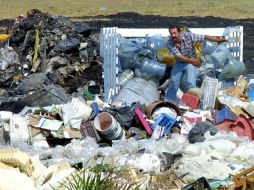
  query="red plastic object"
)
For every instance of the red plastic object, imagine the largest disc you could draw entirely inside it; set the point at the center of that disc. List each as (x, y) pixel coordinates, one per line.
(191, 100)
(194, 119)
(242, 127)
(141, 118)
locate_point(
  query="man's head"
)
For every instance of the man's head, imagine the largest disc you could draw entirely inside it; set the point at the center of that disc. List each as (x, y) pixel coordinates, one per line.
(174, 33)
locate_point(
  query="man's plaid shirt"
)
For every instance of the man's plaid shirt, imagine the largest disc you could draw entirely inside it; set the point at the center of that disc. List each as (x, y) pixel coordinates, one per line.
(187, 49)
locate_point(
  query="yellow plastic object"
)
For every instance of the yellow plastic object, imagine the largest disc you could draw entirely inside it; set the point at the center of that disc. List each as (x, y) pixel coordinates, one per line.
(199, 49)
(18, 159)
(198, 46)
(4, 37)
(36, 46)
(185, 29)
(163, 56)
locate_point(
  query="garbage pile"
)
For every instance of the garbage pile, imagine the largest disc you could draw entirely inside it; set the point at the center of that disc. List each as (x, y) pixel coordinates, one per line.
(54, 118)
(47, 55)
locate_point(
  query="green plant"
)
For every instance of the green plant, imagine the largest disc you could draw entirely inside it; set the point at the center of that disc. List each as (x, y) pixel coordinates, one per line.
(100, 177)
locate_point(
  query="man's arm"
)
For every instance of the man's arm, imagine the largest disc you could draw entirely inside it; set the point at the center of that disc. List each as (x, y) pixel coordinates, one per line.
(215, 39)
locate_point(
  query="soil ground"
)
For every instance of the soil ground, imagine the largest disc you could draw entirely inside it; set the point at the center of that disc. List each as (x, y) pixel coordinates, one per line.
(134, 20)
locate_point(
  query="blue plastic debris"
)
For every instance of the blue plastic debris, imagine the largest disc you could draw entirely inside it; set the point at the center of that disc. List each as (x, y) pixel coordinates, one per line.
(96, 109)
(225, 114)
(166, 122)
(251, 93)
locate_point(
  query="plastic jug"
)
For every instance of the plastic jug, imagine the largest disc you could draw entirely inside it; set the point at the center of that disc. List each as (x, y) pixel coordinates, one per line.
(153, 68)
(128, 54)
(233, 68)
(156, 42)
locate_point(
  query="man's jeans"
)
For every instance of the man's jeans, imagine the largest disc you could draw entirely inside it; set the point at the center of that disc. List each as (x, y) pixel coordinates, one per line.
(177, 73)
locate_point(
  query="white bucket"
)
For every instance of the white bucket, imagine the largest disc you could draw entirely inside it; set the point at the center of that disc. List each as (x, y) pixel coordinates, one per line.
(108, 127)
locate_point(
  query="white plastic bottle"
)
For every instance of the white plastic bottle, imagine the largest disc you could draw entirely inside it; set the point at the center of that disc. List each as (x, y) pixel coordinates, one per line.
(125, 77)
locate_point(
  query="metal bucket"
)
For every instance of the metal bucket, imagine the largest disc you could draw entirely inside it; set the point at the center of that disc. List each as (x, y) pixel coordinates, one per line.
(108, 127)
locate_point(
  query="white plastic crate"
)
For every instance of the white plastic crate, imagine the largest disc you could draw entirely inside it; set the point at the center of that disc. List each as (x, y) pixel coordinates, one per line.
(209, 89)
(109, 41)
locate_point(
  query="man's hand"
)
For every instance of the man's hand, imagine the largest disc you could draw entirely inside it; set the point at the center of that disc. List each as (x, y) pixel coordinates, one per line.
(215, 39)
(194, 62)
(220, 40)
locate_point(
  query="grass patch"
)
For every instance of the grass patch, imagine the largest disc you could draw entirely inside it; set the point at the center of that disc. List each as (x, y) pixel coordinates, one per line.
(234, 9)
(100, 177)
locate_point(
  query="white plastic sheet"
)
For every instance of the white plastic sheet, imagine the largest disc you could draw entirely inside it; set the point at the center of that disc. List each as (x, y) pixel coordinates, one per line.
(74, 112)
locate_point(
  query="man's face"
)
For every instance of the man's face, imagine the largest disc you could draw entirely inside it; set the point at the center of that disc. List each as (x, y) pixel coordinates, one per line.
(174, 34)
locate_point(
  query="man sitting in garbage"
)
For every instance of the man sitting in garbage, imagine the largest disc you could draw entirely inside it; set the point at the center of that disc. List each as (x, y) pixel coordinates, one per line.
(181, 45)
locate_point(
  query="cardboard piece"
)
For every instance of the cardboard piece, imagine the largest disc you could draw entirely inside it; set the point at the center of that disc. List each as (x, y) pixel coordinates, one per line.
(70, 133)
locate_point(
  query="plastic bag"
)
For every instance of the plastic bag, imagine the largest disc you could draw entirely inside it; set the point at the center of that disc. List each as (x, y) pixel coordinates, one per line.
(33, 82)
(137, 90)
(220, 56)
(46, 97)
(245, 151)
(197, 133)
(67, 45)
(74, 112)
(124, 115)
(193, 149)
(221, 145)
(83, 28)
(147, 163)
(8, 57)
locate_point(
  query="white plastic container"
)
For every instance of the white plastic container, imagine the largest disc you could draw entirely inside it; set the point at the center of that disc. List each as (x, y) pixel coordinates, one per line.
(208, 92)
(108, 127)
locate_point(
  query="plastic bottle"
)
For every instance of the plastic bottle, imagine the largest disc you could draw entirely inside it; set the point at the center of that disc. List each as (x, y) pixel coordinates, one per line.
(125, 77)
(157, 132)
